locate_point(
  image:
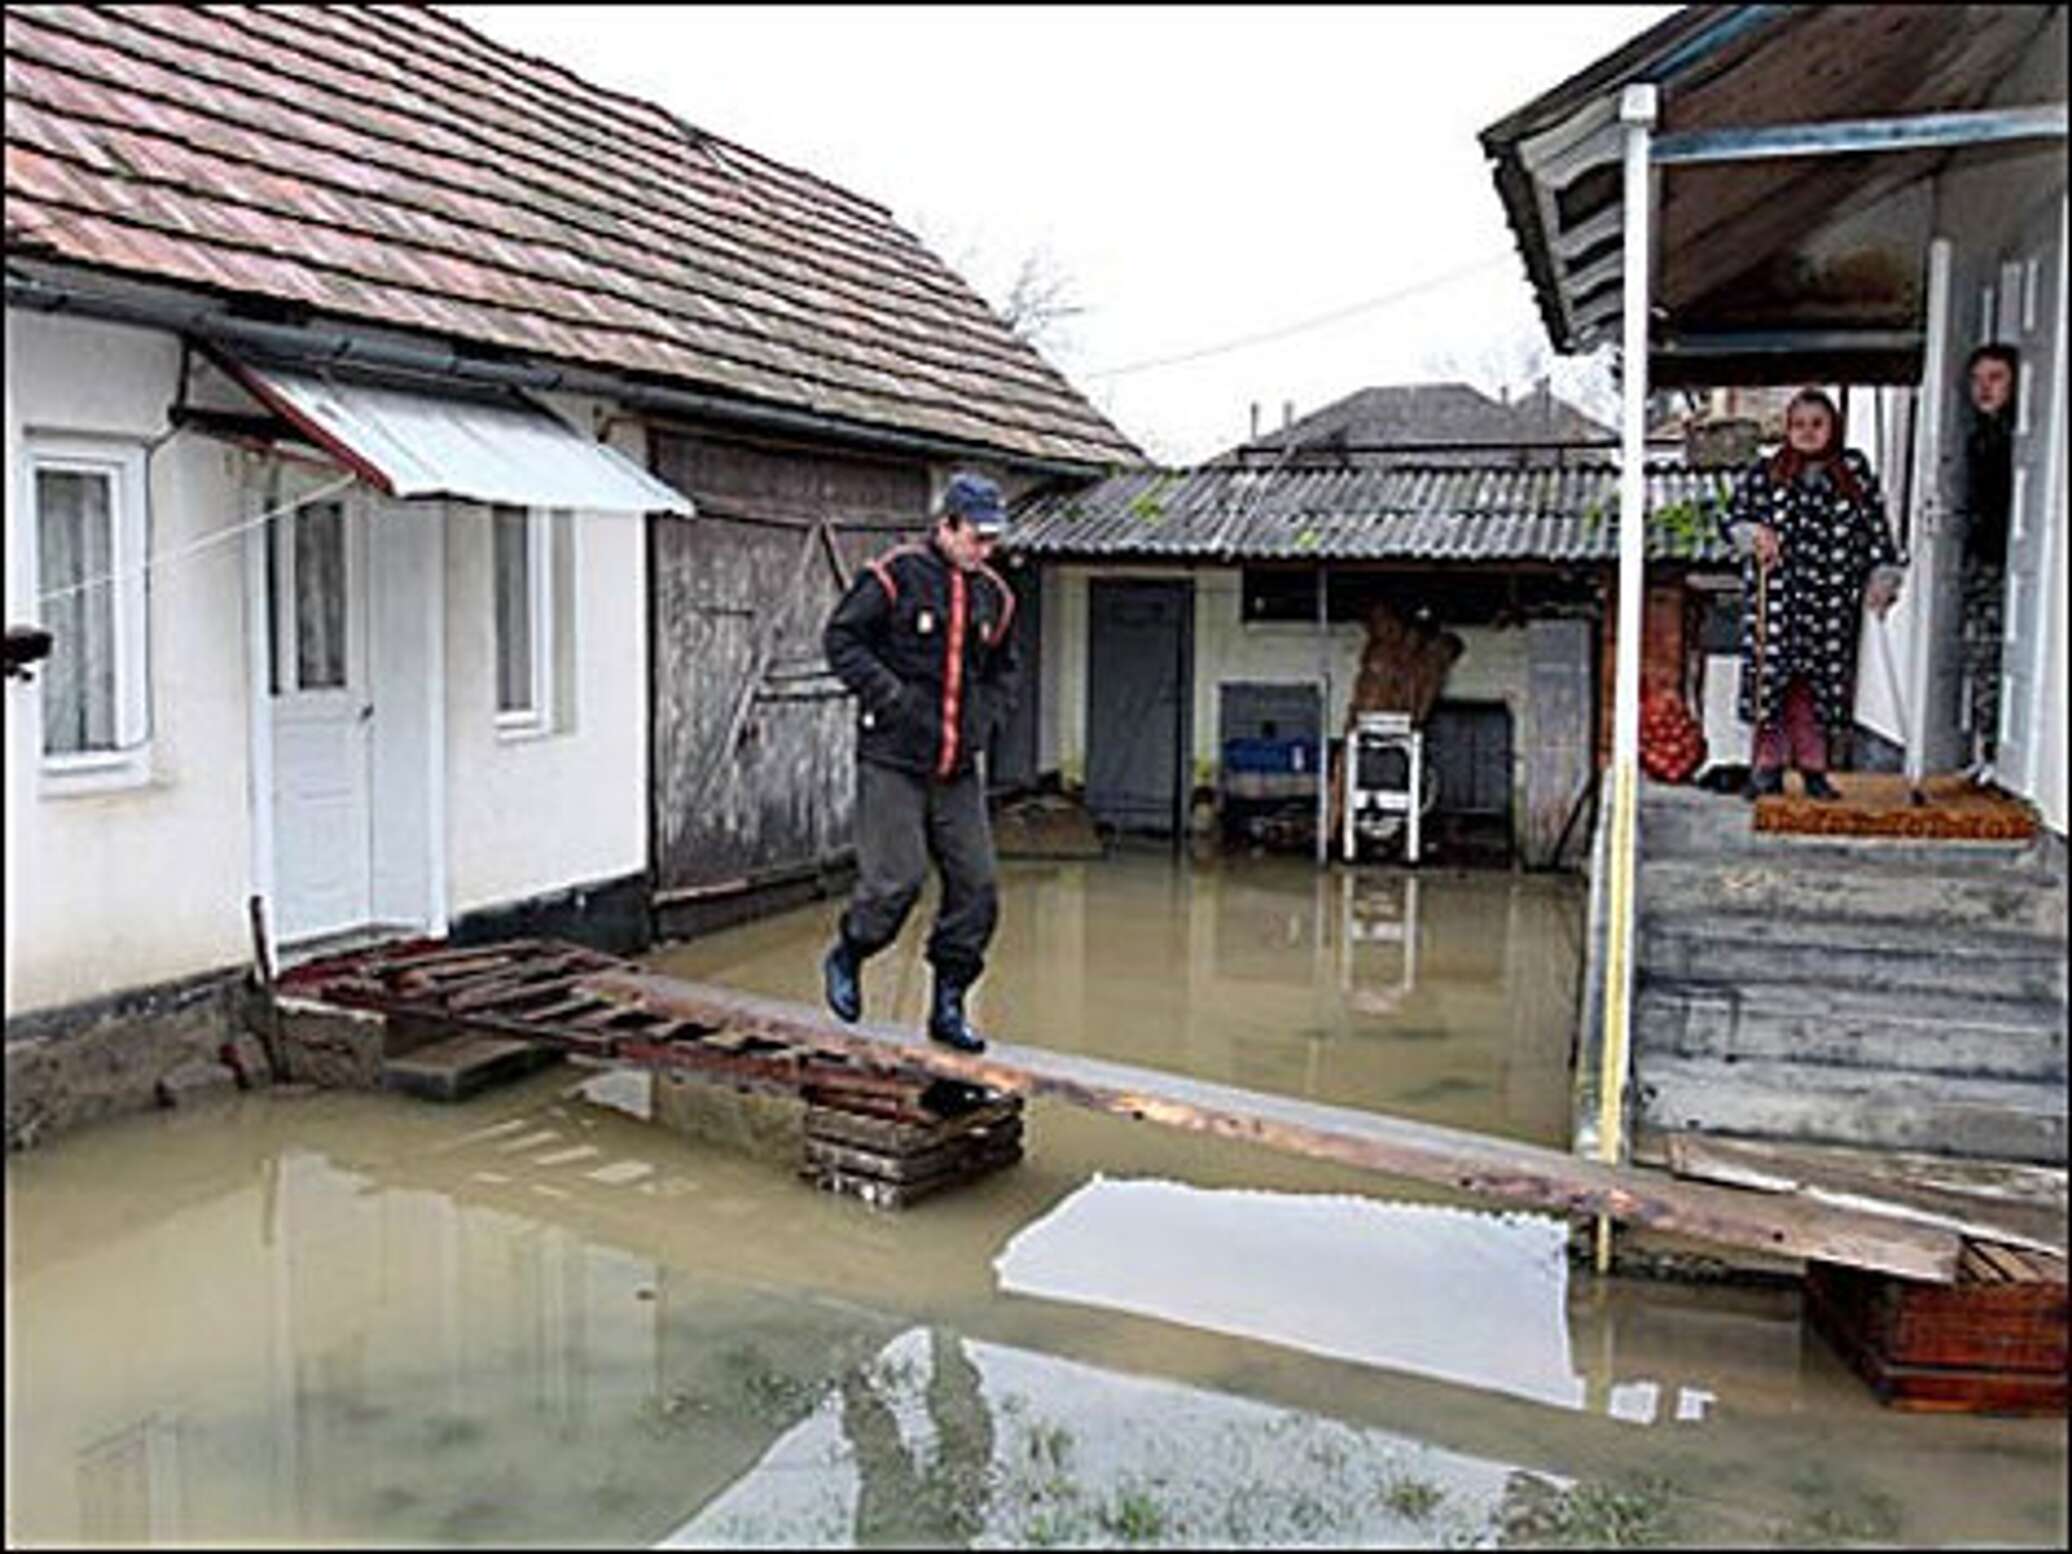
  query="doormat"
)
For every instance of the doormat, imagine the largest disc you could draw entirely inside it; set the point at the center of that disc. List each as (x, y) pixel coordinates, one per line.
(1876, 804)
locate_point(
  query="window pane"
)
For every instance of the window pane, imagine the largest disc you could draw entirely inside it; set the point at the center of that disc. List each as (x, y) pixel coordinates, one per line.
(75, 540)
(513, 563)
(320, 597)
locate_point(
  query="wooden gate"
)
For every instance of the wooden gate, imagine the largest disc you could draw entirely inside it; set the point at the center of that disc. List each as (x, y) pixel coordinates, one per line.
(752, 739)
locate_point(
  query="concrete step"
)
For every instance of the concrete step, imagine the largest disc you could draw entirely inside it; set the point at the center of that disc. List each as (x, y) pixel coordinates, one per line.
(1987, 1118)
(1921, 1033)
(1740, 950)
(1967, 899)
(1683, 822)
(461, 1066)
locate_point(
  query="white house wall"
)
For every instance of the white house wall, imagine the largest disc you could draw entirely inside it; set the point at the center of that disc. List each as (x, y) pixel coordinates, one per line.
(1492, 667)
(145, 884)
(526, 817)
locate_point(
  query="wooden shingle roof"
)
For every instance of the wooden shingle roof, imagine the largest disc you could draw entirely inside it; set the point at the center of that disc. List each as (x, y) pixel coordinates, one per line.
(385, 164)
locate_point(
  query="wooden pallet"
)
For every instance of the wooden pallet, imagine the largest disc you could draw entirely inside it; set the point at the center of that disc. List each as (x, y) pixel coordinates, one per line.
(877, 1128)
(1992, 1343)
(893, 1163)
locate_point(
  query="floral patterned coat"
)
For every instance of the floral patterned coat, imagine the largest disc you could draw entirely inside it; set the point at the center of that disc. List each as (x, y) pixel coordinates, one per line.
(1829, 547)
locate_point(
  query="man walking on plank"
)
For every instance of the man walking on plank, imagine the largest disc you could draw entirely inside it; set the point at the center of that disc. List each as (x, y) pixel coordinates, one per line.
(922, 638)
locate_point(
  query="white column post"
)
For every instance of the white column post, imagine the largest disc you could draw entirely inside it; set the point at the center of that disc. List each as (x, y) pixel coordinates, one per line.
(1324, 717)
(1637, 106)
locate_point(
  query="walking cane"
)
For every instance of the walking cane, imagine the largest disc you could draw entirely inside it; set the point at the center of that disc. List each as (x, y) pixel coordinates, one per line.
(1762, 616)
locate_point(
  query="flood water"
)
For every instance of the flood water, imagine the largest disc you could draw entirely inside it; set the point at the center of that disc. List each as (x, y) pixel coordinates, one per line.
(535, 1318)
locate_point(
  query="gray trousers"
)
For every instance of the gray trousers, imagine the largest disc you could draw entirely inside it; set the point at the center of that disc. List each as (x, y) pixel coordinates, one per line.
(903, 823)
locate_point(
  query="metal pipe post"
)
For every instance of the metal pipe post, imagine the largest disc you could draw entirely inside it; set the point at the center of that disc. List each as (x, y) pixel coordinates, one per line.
(1324, 716)
(1637, 114)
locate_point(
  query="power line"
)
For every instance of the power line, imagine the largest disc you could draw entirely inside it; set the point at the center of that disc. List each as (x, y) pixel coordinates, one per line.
(1316, 322)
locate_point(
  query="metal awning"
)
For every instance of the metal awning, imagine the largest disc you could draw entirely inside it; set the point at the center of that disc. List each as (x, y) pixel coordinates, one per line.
(497, 450)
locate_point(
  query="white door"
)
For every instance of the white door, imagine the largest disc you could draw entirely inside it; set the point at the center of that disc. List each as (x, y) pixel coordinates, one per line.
(2029, 303)
(322, 711)
(1925, 636)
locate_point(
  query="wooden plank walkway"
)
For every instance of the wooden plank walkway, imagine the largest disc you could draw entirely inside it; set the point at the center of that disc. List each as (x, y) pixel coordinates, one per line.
(613, 1010)
(1507, 1171)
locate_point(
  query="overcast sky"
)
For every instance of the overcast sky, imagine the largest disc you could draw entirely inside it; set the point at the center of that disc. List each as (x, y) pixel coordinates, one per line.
(1197, 176)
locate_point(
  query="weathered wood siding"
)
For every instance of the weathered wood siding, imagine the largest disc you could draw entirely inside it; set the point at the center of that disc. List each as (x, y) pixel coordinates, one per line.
(753, 740)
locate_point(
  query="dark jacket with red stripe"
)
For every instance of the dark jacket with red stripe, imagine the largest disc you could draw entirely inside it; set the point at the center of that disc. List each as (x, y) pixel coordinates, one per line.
(928, 651)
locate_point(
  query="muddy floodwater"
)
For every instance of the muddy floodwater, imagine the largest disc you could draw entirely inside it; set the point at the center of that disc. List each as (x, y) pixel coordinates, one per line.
(536, 1318)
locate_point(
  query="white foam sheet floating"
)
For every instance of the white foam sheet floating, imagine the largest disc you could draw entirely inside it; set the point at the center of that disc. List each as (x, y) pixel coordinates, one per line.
(1472, 1298)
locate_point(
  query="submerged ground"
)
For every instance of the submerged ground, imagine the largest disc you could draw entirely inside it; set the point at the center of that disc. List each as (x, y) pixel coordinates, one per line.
(534, 1318)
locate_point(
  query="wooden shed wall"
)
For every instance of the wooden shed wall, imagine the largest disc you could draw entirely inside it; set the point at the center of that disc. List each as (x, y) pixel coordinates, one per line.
(753, 741)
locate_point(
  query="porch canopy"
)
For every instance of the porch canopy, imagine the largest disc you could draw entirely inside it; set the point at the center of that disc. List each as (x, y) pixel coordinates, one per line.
(497, 449)
(1766, 270)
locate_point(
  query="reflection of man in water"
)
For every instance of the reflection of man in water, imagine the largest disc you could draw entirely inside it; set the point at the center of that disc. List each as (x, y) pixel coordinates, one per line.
(944, 1503)
(1986, 493)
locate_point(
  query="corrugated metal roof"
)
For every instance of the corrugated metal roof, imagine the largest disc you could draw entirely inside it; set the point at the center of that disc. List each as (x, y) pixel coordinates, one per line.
(1419, 512)
(507, 450)
(389, 165)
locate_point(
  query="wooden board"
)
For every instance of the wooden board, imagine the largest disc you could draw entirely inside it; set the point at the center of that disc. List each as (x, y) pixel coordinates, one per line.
(2001, 1201)
(876, 1190)
(1971, 1347)
(890, 1137)
(1476, 1164)
(962, 1158)
(2002, 1325)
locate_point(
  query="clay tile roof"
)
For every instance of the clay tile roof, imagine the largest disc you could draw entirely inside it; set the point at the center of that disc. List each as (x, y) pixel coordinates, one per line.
(386, 164)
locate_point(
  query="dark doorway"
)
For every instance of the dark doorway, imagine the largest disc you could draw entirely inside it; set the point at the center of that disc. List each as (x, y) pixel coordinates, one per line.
(1468, 756)
(1139, 720)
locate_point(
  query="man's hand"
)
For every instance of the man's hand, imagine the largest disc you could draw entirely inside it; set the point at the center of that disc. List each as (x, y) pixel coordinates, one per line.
(1880, 593)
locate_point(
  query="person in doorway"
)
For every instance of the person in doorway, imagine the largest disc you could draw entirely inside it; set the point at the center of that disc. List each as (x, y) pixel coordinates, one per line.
(1987, 491)
(1809, 525)
(922, 637)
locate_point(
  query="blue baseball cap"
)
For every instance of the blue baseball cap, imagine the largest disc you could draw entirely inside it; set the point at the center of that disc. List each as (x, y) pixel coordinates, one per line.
(976, 500)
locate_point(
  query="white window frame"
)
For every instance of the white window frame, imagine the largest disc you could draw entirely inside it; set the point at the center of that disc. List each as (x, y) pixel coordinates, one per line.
(536, 720)
(128, 764)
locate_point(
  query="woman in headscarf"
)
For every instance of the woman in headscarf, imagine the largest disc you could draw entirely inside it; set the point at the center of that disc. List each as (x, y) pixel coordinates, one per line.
(1809, 524)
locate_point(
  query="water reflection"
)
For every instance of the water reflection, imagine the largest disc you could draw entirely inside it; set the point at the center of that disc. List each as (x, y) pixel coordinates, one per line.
(945, 1440)
(342, 1319)
(1448, 997)
(1373, 1283)
(535, 1319)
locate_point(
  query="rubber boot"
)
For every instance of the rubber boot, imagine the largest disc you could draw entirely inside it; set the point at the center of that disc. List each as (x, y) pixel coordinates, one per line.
(946, 1022)
(1818, 787)
(842, 972)
(1764, 780)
